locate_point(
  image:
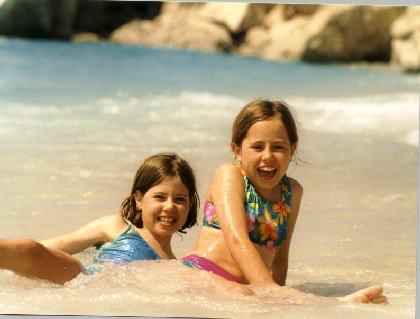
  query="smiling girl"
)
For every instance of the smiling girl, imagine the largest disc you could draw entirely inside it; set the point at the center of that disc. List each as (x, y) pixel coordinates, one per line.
(251, 208)
(163, 200)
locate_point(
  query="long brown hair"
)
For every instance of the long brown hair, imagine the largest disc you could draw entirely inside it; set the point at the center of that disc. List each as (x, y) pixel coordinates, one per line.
(263, 110)
(152, 172)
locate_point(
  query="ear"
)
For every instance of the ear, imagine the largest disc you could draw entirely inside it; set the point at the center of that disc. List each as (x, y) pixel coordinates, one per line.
(139, 199)
(237, 151)
(294, 146)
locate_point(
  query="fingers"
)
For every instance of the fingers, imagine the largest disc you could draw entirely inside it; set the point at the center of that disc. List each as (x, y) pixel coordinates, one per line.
(382, 300)
(372, 291)
(375, 295)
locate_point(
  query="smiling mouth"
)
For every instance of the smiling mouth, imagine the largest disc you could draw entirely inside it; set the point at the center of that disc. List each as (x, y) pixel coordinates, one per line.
(166, 220)
(267, 172)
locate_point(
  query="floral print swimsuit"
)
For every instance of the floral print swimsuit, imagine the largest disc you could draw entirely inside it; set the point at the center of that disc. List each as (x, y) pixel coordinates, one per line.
(267, 221)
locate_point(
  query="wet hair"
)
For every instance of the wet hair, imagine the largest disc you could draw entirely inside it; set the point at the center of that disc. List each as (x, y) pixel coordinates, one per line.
(152, 172)
(263, 110)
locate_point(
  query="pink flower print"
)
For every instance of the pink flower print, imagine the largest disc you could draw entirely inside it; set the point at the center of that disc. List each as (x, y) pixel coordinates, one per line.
(250, 220)
(270, 246)
(209, 212)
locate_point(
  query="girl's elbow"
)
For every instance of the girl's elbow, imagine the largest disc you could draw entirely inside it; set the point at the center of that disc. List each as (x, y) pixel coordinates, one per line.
(29, 251)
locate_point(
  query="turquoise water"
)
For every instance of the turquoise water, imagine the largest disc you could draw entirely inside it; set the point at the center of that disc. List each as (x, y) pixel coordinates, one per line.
(64, 73)
(77, 119)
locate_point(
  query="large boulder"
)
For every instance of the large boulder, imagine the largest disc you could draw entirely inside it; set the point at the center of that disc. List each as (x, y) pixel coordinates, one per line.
(324, 33)
(103, 17)
(37, 19)
(179, 25)
(289, 38)
(357, 33)
(236, 17)
(283, 33)
(291, 10)
(405, 33)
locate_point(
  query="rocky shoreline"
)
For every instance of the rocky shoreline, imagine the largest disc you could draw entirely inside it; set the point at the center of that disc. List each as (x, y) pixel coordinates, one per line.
(281, 32)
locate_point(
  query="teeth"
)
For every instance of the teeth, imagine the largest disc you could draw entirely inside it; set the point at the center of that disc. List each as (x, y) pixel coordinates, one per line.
(267, 169)
(166, 219)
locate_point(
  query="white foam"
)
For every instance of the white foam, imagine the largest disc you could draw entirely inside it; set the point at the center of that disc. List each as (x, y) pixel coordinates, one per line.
(185, 105)
(413, 138)
(388, 116)
(136, 289)
(393, 117)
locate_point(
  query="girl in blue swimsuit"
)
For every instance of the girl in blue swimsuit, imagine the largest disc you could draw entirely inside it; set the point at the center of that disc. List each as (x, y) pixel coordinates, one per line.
(163, 200)
(251, 208)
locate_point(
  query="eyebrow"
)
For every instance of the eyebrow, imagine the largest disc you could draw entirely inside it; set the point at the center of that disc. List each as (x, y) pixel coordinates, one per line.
(164, 193)
(274, 142)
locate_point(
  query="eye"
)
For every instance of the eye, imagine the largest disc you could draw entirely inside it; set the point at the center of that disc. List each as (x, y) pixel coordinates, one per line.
(181, 199)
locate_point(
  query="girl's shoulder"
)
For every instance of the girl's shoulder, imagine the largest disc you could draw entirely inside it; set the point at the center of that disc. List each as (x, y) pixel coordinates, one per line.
(229, 168)
(297, 189)
(111, 225)
(229, 173)
(115, 219)
(227, 178)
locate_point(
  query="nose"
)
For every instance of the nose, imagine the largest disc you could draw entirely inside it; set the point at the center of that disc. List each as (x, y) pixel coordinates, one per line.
(267, 154)
(169, 205)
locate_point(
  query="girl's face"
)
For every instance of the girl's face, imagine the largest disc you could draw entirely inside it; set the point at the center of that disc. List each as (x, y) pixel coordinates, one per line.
(265, 155)
(164, 207)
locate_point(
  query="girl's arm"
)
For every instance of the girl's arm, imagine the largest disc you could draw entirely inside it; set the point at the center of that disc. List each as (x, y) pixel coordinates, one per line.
(281, 260)
(102, 230)
(227, 195)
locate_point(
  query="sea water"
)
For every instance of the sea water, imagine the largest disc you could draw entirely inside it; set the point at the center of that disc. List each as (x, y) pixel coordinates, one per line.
(77, 120)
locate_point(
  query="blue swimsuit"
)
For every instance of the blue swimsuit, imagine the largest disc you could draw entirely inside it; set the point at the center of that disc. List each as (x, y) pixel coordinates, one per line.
(267, 221)
(127, 247)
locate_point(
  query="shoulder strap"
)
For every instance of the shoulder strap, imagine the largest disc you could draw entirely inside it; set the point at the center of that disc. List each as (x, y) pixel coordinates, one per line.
(127, 221)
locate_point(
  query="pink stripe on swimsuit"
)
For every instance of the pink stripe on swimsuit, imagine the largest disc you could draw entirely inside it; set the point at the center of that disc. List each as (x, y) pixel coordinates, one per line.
(195, 261)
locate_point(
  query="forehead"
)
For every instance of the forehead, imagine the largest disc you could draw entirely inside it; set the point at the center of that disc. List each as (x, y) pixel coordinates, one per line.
(171, 182)
(272, 127)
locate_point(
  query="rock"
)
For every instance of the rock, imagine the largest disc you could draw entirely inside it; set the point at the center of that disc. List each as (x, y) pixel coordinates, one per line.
(37, 19)
(256, 40)
(280, 38)
(103, 17)
(405, 45)
(309, 32)
(86, 37)
(274, 16)
(290, 10)
(283, 41)
(352, 33)
(180, 26)
(336, 33)
(236, 17)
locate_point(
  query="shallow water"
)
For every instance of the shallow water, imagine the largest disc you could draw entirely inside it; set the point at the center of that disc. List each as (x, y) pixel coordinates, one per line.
(76, 121)
(133, 290)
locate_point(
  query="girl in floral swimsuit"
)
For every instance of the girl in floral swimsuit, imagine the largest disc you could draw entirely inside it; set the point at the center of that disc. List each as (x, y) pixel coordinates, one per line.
(251, 209)
(266, 221)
